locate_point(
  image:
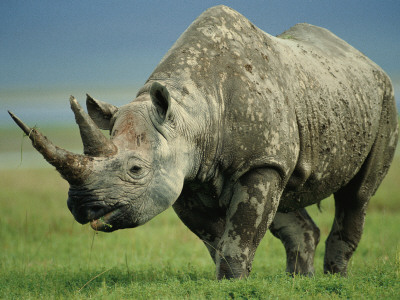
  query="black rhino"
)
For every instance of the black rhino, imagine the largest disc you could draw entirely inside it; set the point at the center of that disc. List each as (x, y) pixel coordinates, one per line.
(239, 131)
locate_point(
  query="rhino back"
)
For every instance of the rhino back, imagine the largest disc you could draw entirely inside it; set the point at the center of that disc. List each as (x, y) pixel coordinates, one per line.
(220, 72)
(305, 102)
(339, 94)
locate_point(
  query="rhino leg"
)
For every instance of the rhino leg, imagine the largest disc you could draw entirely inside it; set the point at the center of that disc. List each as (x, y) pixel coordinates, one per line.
(206, 223)
(251, 211)
(346, 230)
(350, 207)
(351, 201)
(300, 236)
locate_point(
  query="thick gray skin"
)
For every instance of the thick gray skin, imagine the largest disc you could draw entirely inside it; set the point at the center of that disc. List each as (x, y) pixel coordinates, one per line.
(246, 130)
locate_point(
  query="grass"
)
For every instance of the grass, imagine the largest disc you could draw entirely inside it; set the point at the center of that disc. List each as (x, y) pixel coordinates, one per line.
(44, 253)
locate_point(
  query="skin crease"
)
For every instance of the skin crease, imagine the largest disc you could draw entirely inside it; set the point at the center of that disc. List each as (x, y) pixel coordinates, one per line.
(239, 131)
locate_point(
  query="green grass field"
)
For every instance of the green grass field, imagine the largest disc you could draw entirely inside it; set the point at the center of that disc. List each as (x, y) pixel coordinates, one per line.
(46, 254)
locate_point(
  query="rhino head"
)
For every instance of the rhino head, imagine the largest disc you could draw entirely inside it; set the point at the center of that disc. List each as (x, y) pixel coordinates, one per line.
(126, 180)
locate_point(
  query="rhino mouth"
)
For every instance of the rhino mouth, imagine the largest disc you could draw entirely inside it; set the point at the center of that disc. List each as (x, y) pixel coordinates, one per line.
(100, 217)
(105, 222)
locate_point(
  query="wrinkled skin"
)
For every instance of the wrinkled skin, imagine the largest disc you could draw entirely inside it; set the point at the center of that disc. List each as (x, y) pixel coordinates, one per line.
(239, 131)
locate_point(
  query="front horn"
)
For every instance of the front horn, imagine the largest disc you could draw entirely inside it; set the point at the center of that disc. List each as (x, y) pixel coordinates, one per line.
(73, 167)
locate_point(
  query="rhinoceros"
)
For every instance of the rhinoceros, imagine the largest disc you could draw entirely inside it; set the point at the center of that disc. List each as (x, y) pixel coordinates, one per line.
(239, 131)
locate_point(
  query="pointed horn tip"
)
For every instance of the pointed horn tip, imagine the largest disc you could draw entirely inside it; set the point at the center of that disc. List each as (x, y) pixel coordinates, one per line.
(75, 106)
(11, 114)
(71, 99)
(21, 124)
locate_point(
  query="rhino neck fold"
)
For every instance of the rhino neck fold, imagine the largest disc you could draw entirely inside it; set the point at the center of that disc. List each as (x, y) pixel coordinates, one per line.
(198, 118)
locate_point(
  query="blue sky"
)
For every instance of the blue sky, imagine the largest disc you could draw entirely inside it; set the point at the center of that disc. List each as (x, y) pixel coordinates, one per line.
(50, 49)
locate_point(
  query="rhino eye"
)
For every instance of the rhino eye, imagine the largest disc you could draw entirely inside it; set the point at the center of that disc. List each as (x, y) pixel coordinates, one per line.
(137, 173)
(135, 170)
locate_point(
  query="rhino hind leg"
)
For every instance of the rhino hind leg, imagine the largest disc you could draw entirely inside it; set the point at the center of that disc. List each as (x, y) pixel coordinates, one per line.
(351, 201)
(350, 207)
(300, 237)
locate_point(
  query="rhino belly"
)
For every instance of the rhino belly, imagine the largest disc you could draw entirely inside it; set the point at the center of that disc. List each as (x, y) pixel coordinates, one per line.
(307, 187)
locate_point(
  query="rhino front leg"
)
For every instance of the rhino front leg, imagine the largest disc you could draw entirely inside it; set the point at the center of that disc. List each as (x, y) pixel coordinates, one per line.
(252, 208)
(207, 223)
(300, 236)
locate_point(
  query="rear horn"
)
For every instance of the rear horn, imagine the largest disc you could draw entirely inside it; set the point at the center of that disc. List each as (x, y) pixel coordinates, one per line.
(94, 141)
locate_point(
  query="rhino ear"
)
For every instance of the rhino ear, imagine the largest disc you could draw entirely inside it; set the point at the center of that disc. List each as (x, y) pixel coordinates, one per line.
(100, 112)
(161, 100)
